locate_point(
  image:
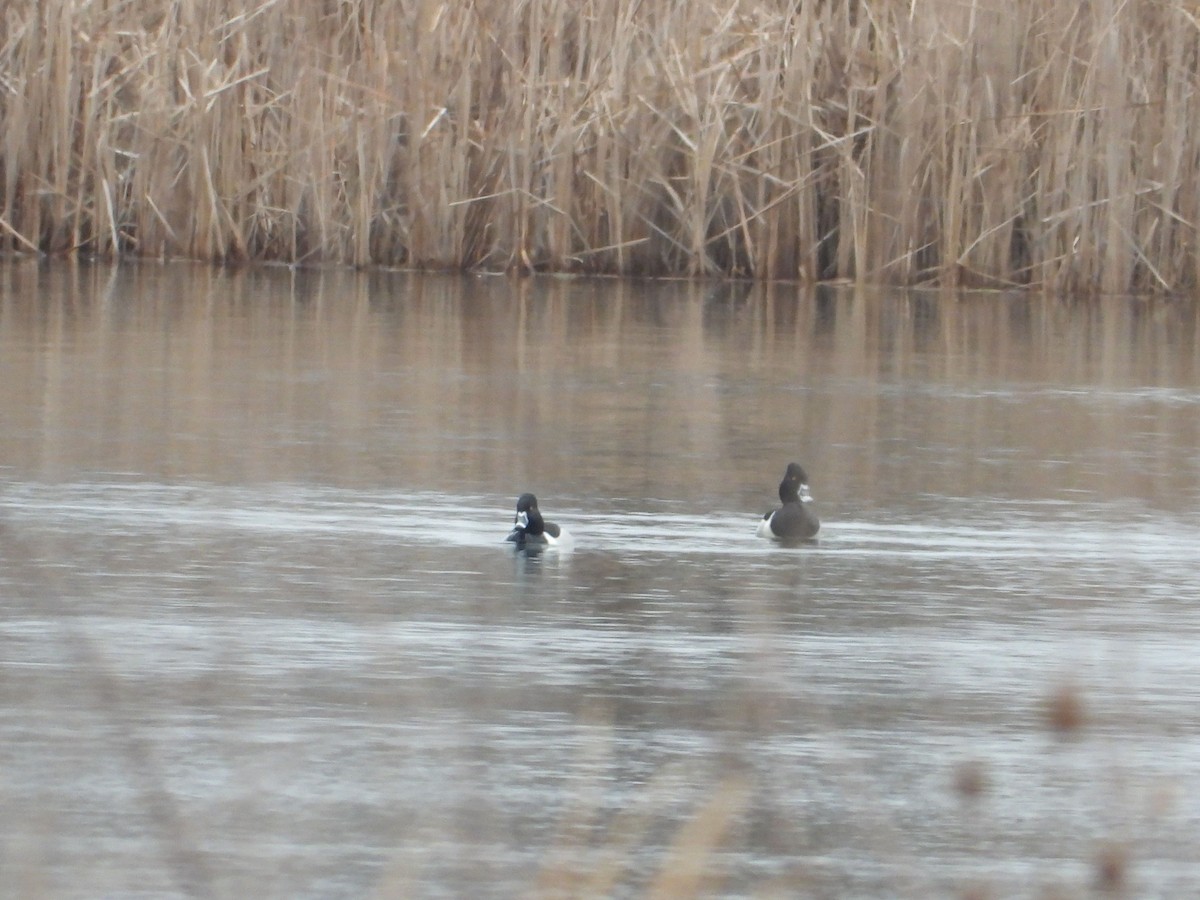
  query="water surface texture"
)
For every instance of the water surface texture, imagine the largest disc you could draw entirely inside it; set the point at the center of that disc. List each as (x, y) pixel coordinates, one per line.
(260, 633)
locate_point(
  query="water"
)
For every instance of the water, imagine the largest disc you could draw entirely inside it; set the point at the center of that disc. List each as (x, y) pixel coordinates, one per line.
(261, 632)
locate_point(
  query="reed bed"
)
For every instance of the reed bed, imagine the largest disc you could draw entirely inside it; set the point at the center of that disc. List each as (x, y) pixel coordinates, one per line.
(1025, 142)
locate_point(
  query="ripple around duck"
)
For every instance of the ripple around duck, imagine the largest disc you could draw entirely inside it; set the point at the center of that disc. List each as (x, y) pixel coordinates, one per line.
(986, 530)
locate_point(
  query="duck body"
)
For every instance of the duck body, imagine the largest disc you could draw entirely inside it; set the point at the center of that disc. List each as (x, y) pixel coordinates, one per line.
(794, 520)
(530, 530)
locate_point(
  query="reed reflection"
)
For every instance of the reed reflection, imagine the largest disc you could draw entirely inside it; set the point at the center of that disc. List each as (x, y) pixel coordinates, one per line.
(625, 390)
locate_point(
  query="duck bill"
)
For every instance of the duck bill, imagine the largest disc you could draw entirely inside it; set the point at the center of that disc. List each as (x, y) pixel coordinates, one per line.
(805, 496)
(522, 519)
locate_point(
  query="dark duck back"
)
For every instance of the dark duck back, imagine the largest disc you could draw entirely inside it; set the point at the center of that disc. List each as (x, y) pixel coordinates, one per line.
(794, 520)
(530, 529)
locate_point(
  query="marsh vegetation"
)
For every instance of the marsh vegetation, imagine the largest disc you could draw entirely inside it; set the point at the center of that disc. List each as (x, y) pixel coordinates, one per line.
(959, 143)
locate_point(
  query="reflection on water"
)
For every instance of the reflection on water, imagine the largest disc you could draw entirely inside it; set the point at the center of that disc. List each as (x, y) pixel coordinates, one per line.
(260, 625)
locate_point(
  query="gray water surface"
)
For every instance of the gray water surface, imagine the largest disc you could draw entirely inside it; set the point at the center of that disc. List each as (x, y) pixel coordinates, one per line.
(261, 633)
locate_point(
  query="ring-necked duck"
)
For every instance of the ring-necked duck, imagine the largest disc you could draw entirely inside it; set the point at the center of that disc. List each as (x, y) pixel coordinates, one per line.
(530, 529)
(793, 521)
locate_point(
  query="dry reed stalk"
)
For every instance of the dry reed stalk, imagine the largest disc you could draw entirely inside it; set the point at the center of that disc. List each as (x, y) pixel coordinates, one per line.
(965, 142)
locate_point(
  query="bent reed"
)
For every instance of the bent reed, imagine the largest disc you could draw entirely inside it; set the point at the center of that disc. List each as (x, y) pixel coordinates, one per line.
(1028, 142)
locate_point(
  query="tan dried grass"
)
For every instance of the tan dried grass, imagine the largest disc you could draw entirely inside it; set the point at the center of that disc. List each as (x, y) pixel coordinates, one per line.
(959, 143)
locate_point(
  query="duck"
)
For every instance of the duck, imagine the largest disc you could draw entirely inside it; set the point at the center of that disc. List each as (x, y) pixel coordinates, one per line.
(794, 521)
(530, 530)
